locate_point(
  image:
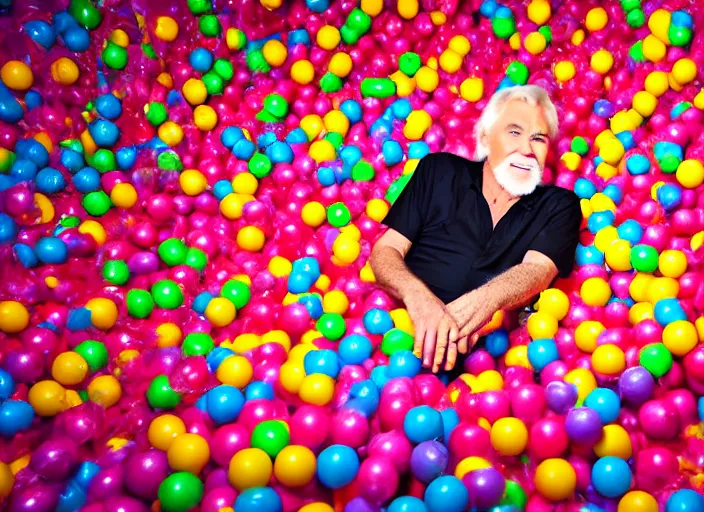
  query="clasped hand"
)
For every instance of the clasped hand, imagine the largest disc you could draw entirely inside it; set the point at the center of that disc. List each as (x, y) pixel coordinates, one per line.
(444, 330)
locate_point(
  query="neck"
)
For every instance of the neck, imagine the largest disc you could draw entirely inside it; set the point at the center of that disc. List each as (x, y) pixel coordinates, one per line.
(493, 192)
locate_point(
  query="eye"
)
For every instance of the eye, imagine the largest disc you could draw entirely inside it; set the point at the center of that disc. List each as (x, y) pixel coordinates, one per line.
(515, 133)
(539, 139)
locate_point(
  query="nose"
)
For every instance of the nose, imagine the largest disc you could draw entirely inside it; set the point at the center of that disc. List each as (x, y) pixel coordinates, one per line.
(526, 146)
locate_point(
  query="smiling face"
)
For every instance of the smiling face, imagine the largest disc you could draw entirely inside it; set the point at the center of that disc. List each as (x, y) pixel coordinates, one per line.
(518, 147)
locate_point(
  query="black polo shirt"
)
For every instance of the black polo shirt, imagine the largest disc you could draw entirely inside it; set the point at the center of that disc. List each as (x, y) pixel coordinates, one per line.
(456, 248)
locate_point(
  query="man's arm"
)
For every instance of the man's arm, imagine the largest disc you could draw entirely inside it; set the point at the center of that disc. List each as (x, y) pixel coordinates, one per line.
(390, 270)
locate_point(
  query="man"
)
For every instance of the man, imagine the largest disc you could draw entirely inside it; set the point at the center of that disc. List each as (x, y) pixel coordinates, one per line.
(466, 238)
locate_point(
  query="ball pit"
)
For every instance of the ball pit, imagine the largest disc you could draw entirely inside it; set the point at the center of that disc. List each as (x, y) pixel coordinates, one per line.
(189, 193)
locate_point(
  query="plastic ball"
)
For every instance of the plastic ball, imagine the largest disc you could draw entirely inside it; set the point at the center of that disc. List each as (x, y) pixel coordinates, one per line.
(614, 442)
(317, 389)
(180, 492)
(16, 75)
(446, 493)
(637, 501)
(47, 398)
(337, 466)
(105, 390)
(69, 369)
(684, 500)
(164, 429)
(509, 436)
(188, 452)
(64, 71)
(611, 476)
(250, 467)
(555, 479)
(14, 317)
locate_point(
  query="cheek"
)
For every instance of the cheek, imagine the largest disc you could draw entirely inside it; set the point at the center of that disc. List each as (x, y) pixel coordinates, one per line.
(541, 153)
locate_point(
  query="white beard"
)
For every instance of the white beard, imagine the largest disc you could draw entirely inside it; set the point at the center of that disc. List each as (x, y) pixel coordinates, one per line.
(518, 182)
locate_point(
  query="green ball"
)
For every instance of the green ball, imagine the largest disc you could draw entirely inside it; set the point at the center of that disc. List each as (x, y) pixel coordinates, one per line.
(330, 83)
(213, 83)
(116, 272)
(85, 13)
(104, 160)
(338, 215)
(199, 6)
(156, 113)
(95, 354)
(241, 39)
(223, 68)
(656, 358)
(635, 18)
(359, 21)
(629, 5)
(518, 73)
(196, 259)
(180, 491)
(236, 292)
(397, 187)
(198, 344)
(514, 495)
(409, 63)
(636, 52)
(257, 62)
(169, 161)
(579, 145)
(396, 340)
(260, 165)
(271, 436)
(669, 163)
(167, 294)
(276, 105)
(503, 28)
(70, 222)
(161, 395)
(209, 25)
(96, 203)
(349, 35)
(139, 303)
(172, 251)
(331, 325)
(679, 36)
(114, 56)
(644, 258)
(334, 138)
(547, 33)
(363, 171)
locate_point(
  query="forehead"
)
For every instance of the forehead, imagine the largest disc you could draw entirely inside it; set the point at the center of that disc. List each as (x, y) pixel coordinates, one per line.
(529, 117)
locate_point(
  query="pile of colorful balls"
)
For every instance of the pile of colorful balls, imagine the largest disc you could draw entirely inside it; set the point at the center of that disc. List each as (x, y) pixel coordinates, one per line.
(189, 192)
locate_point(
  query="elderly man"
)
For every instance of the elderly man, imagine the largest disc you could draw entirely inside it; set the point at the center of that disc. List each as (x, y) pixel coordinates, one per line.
(467, 238)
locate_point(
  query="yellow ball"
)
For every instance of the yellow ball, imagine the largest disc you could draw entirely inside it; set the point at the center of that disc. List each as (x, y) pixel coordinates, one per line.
(554, 302)
(586, 335)
(317, 389)
(335, 301)
(641, 311)
(166, 28)
(277, 336)
(319, 506)
(194, 91)
(220, 312)
(188, 452)
(346, 249)
(250, 467)
(469, 464)
(14, 317)
(336, 121)
(123, 195)
(672, 263)
(535, 43)
(298, 353)
(245, 342)
(509, 436)
(638, 501)
(653, 48)
(302, 72)
(612, 151)
(515, 41)
(417, 123)
(450, 61)
(541, 325)
(17, 75)
(120, 38)
(170, 133)
(680, 337)
(103, 312)
(47, 398)
(205, 117)
(232, 204)
(313, 214)
(539, 11)
(105, 390)
(404, 85)
(279, 266)
(64, 71)
(235, 39)
(372, 8)
(595, 291)
(517, 356)
(491, 380)
(328, 37)
(596, 19)
(312, 125)
(564, 70)
(472, 89)
(602, 203)
(602, 61)
(656, 83)
(608, 360)
(295, 466)
(235, 370)
(638, 289)
(377, 209)
(460, 45)
(168, 335)
(659, 23)
(690, 173)
(291, 375)
(245, 183)
(662, 288)
(322, 151)
(618, 256)
(274, 53)
(271, 5)
(69, 369)
(402, 320)
(614, 442)
(584, 380)
(555, 479)
(94, 229)
(250, 238)
(407, 9)
(698, 101)
(192, 182)
(644, 103)
(427, 79)
(340, 64)
(7, 481)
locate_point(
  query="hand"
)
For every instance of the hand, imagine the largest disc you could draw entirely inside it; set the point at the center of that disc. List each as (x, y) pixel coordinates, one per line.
(471, 311)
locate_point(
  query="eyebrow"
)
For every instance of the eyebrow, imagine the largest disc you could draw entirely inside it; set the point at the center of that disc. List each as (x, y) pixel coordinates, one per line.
(537, 134)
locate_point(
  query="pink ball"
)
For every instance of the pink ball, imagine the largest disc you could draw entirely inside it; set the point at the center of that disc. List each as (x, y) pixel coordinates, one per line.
(377, 479)
(683, 400)
(349, 427)
(467, 440)
(655, 468)
(228, 440)
(393, 445)
(528, 402)
(430, 388)
(548, 438)
(659, 419)
(479, 361)
(218, 498)
(144, 472)
(310, 426)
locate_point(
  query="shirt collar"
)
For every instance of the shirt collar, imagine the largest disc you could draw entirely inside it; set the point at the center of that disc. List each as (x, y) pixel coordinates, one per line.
(477, 177)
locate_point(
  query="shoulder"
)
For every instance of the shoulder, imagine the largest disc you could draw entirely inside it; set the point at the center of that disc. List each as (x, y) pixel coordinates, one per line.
(443, 165)
(559, 199)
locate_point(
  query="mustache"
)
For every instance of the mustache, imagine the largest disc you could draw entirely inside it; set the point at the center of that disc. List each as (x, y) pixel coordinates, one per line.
(522, 161)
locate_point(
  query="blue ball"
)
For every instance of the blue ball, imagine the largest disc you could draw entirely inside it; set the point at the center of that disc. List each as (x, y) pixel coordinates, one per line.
(105, 133)
(401, 108)
(33, 151)
(41, 33)
(350, 155)
(496, 343)
(24, 170)
(231, 135)
(259, 390)
(15, 416)
(244, 149)
(85, 473)
(321, 361)
(51, 250)
(258, 499)
(588, 255)
(280, 152)
(7, 385)
(364, 397)
(126, 157)
(446, 494)
(25, 255)
(584, 188)
(626, 139)
(669, 196)
(542, 352)
(488, 8)
(681, 19)
(337, 466)
(266, 139)
(450, 419)
(297, 136)
(605, 402)
(407, 504)
(700, 408)
(603, 108)
(308, 266)
(10, 109)
(377, 321)
(326, 176)
(503, 12)
(319, 6)
(63, 21)
(224, 403)
(600, 220)
(403, 363)
(33, 99)
(50, 181)
(685, 500)
(630, 231)
(418, 149)
(108, 106)
(79, 319)
(72, 498)
(423, 423)
(352, 110)
(611, 476)
(662, 148)
(86, 180)
(354, 349)
(381, 129)
(668, 311)
(505, 83)
(299, 282)
(299, 36)
(313, 304)
(380, 375)
(72, 160)
(8, 229)
(76, 39)
(201, 60)
(216, 356)
(637, 164)
(201, 301)
(7, 181)
(221, 189)
(392, 152)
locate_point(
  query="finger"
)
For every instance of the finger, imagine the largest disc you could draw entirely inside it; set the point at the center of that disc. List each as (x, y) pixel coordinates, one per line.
(418, 337)
(462, 344)
(454, 333)
(441, 344)
(474, 339)
(451, 356)
(429, 346)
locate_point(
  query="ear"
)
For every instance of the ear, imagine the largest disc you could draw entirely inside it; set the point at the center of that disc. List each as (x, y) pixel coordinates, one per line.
(484, 139)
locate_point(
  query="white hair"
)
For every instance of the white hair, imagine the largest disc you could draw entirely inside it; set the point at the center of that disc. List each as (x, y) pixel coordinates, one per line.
(531, 94)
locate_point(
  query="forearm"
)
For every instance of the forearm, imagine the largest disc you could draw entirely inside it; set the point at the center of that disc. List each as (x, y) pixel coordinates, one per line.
(392, 273)
(517, 286)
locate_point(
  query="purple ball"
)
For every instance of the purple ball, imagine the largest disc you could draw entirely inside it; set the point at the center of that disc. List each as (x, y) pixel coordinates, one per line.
(108, 482)
(218, 498)
(636, 385)
(359, 504)
(560, 396)
(124, 504)
(429, 460)
(583, 425)
(144, 472)
(24, 365)
(54, 459)
(36, 498)
(486, 487)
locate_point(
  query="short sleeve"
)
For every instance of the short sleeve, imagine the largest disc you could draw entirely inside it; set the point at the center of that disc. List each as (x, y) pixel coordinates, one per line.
(559, 237)
(409, 212)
